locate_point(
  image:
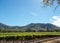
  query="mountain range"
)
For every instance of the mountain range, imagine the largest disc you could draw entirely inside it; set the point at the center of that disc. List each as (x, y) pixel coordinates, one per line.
(31, 27)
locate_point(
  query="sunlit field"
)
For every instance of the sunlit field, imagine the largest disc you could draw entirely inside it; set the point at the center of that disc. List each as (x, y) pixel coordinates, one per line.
(27, 33)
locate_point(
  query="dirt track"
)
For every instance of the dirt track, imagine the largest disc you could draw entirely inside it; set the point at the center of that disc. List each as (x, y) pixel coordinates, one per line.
(57, 40)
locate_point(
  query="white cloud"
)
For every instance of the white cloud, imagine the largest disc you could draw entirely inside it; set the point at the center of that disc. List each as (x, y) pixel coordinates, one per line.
(56, 20)
(34, 14)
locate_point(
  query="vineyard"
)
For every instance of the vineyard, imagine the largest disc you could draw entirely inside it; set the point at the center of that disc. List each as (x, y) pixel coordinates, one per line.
(27, 35)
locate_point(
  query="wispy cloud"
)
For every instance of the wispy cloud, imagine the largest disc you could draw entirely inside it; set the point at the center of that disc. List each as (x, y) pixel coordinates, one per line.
(56, 20)
(33, 14)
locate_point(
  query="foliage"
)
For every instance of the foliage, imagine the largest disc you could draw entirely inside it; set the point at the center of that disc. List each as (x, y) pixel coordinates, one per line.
(27, 35)
(51, 2)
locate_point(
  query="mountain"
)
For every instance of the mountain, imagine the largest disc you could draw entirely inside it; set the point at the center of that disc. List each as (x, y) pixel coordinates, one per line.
(30, 27)
(3, 26)
(41, 25)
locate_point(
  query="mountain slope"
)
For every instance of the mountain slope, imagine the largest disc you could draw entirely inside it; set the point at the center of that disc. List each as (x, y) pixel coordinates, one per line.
(31, 26)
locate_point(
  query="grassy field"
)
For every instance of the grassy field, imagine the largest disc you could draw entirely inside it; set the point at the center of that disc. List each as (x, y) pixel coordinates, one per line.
(28, 33)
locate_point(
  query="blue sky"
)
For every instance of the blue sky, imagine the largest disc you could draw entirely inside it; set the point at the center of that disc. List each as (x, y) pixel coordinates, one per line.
(23, 12)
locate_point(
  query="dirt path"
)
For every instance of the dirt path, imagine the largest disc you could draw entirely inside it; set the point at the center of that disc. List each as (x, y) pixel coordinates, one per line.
(57, 40)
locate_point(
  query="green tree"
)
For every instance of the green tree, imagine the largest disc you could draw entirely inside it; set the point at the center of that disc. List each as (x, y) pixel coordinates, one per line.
(50, 2)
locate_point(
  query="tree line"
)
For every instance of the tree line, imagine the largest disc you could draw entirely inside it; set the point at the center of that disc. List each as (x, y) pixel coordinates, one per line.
(30, 30)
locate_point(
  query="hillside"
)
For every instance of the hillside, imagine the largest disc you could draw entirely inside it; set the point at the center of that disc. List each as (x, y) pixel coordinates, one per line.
(30, 27)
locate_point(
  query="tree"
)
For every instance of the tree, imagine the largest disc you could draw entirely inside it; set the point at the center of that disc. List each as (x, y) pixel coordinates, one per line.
(50, 2)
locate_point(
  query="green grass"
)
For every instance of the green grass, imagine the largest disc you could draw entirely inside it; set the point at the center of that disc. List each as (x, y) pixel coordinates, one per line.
(27, 33)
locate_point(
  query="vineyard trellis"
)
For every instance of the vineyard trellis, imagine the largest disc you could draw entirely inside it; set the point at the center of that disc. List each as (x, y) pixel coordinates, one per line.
(21, 39)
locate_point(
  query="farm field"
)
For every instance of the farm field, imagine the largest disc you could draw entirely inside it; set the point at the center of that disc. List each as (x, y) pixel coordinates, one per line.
(28, 37)
(27, 33)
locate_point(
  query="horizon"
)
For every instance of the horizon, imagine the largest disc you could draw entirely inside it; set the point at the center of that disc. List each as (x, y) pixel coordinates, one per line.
(23, 12)
(28, 24)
